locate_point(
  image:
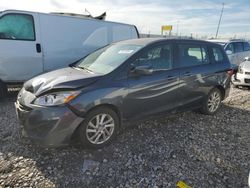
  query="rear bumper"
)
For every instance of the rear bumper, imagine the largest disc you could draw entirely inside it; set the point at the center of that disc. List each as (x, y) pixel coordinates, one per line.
(241, 79)
(50, 127)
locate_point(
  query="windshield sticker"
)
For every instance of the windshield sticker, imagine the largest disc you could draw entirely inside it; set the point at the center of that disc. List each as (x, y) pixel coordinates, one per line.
(125, 51)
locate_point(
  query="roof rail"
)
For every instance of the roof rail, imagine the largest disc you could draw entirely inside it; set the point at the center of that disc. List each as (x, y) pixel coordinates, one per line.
(227, 39)
(101, 17)
(232, 40)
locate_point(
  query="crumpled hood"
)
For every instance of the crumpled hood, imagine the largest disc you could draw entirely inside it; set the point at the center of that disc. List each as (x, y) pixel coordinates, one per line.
(66, 78)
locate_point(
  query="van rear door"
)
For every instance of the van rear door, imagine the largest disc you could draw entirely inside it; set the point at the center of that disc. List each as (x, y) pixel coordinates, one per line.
(20, 47)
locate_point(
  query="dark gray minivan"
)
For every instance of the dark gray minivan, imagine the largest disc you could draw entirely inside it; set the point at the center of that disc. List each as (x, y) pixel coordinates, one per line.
(119, 83)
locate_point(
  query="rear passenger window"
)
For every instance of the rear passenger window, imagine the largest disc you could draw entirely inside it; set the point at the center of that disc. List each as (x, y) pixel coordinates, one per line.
(238, 47)
(192, 55)
(17, 27)
(246, 46)
(217, 55)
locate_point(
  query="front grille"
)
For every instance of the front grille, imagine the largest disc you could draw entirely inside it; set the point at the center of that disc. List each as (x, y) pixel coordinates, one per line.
(247, 81)
(248, 73)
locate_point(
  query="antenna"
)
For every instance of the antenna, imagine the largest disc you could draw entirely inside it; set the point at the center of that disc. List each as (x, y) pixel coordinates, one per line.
(88, 12)
(220, 20)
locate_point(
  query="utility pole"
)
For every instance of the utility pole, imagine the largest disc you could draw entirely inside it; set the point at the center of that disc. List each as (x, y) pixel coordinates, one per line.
(177, 28)
(220, 20)
(149, 34)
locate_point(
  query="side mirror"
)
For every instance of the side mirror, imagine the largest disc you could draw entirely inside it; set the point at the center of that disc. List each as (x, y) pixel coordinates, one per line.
(143, 70)
(229, 52)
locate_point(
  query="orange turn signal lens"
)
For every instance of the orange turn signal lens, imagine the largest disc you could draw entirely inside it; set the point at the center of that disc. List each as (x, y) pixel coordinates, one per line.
(70, 97)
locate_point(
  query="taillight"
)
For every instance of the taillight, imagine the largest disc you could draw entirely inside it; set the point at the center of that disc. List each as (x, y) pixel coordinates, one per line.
(230, 72)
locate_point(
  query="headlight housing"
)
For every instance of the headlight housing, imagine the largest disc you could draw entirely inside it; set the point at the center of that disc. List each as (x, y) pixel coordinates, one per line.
(55, 99)
(240, 70)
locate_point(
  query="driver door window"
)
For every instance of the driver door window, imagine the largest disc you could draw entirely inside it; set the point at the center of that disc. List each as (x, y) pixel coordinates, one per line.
(158, 58)
(17, 27)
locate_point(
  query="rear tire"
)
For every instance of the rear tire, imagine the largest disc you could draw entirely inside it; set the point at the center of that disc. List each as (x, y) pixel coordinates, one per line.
(99, 128)
(212, 102)
(3, 90)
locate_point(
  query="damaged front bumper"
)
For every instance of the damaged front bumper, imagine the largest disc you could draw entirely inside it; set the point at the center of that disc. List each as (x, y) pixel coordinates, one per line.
(50, 127)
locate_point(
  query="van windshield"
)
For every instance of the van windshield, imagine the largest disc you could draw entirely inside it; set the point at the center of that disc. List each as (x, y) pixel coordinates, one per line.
(107, 59)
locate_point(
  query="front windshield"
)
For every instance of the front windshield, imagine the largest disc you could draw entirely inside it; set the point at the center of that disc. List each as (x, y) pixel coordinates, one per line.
(107, 59)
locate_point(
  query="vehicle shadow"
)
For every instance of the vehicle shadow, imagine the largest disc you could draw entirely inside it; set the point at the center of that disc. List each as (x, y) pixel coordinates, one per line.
(209, 148)
(11, 97)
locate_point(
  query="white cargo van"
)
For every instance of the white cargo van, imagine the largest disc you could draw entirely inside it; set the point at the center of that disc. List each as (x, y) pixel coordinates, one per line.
(32, 43)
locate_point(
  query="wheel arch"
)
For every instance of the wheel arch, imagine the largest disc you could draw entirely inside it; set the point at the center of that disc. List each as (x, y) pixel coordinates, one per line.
(107, 105)
(222, 90)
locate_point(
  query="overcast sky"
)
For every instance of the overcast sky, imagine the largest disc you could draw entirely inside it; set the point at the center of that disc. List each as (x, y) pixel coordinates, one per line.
(199, 17)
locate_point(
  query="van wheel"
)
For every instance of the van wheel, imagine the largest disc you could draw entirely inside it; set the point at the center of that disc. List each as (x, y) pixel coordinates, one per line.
(212, 102)
(3, 90)
(99, 128)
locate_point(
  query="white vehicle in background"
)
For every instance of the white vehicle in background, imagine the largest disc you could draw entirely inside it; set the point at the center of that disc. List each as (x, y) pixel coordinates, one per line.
(32, 43)
(242, 77)
(236, 49)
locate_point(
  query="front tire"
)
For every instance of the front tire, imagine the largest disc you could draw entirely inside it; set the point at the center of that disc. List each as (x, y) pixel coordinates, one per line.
(99, 128)
(212, 102)
(3, 90)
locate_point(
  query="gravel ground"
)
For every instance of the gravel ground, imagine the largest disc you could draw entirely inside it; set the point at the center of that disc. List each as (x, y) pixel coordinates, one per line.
(202, 151)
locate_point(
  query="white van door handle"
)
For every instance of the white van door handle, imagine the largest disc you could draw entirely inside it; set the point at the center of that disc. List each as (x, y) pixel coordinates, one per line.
(38, 48)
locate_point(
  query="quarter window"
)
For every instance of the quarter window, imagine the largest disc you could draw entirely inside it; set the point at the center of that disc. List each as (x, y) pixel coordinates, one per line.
(159, 58)
(17, 27)
(192, 55)
(217, 55)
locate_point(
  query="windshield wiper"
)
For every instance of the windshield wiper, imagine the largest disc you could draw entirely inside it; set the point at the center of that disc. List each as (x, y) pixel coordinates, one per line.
(84, 68)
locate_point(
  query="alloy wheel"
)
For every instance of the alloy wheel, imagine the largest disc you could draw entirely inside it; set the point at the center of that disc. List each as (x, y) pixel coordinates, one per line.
(214, 101)
(100, 128)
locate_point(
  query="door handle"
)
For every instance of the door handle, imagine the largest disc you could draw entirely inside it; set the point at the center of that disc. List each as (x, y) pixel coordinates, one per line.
(38, 48)
(171, 77)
